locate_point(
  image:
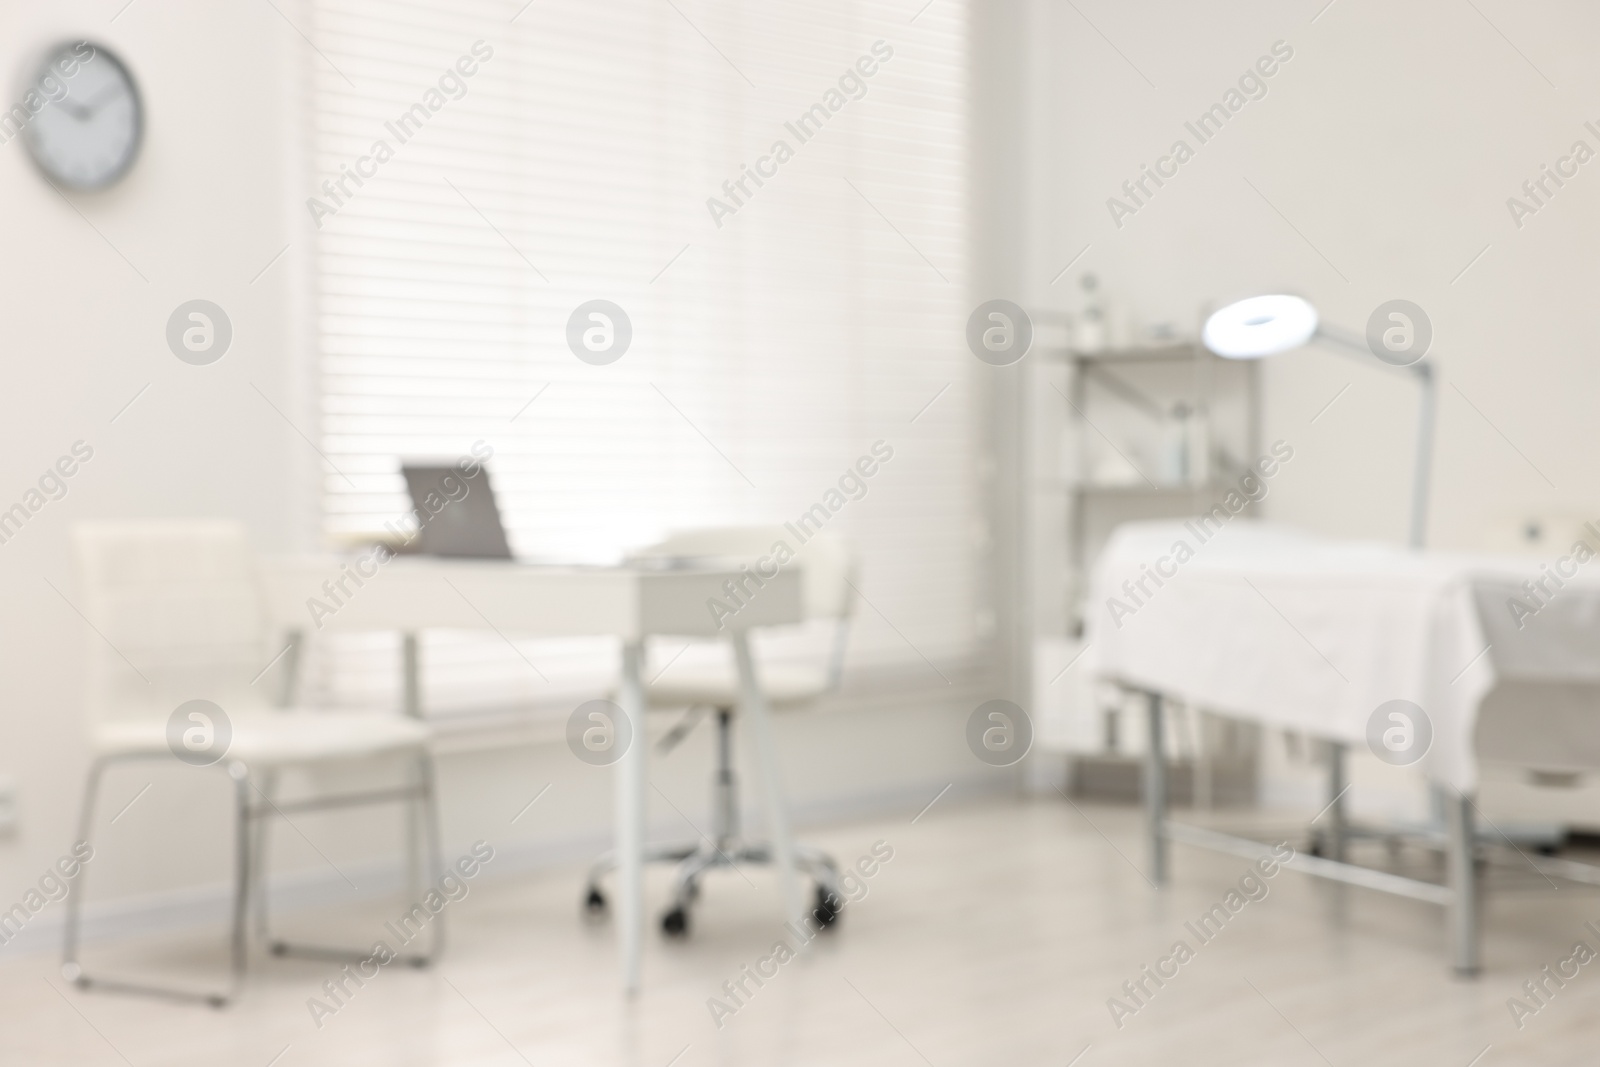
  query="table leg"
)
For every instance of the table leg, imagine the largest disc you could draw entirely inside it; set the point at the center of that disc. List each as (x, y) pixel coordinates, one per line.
(1463, 879)
(1338, 822)
(1155, 789)
(411, 705)
(630, 785)
(754, 705)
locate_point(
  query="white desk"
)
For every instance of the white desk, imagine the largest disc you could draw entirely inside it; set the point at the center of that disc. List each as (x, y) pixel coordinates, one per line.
(412, 594)
(1274, 625)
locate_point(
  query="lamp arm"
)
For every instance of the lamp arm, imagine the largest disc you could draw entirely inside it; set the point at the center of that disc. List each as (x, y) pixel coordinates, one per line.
(1341, 338)
(1354, 347)
(1422, 473)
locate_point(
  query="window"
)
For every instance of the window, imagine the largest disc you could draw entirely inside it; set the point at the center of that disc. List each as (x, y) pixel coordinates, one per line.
(781, 323)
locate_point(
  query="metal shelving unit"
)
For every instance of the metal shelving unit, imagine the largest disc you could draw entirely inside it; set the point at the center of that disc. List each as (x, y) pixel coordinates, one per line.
(1107, 449)
(1150, 384)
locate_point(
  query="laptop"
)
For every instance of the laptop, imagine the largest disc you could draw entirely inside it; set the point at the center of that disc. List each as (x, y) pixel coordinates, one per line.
(457, 514)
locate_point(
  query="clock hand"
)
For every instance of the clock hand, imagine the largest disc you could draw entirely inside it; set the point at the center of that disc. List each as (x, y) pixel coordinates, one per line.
(72, 109)
(110, 93)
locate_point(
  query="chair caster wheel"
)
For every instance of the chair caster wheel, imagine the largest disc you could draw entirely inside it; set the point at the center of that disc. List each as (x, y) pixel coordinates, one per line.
(827, 909)
(675, 923)
(278, 948)
(421, 963)
(594, 904)
(1316, 848)
(217, 1002)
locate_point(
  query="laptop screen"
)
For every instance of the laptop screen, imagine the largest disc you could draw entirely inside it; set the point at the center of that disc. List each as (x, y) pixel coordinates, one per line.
(457, 513)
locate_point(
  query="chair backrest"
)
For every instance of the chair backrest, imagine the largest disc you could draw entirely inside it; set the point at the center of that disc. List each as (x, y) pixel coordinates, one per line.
(828, 574)
(827, 560)
(176, 613)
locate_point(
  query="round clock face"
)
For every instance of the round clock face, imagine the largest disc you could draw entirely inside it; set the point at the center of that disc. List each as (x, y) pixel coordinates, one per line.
(86, 131)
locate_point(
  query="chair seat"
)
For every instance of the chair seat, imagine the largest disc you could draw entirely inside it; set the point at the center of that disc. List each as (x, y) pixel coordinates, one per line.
(273, 736)
(718, 686)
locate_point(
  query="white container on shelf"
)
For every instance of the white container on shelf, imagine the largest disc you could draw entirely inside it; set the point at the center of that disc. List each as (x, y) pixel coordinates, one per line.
(1173, 464)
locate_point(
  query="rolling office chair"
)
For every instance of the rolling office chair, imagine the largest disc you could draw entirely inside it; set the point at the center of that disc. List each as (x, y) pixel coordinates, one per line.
(826, 583)
(177, 615)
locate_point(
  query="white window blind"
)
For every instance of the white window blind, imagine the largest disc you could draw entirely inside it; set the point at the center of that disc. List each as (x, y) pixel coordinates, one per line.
(769, 352)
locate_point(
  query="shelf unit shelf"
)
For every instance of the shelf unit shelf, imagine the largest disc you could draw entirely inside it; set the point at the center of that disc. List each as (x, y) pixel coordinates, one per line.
(1134, 489)
(1107, 410)
(1178, 351)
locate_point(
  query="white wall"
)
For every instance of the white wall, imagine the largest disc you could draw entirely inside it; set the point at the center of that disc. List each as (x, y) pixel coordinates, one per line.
(202, 212)
(1391, 141)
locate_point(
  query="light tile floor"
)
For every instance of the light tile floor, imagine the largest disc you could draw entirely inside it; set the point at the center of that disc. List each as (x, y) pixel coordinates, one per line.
(995, 935)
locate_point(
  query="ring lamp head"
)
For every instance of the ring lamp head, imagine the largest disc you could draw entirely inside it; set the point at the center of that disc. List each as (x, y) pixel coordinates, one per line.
(1260, 326)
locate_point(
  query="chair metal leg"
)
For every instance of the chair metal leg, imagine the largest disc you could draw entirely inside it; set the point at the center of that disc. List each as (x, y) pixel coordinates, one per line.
(413, 833)
(724, 846)
(606, 862)
(243, 847)
(1205, 777)
(258, 863)
(250, 844)
(72, 968)
(1155, 790)
(69, 947)
(755, 706)
(819, 865)
(725, 790)
(1338, 820)
(694, 860)
(726, 849)
(428, 803)
(1461, 863)
(686, 882)
(422, 808)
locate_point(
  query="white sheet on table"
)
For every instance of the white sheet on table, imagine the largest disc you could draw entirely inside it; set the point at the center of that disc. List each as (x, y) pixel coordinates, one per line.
(1273, 624)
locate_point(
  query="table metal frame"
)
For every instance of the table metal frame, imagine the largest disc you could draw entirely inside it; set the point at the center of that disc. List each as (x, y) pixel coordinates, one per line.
(1459, 896)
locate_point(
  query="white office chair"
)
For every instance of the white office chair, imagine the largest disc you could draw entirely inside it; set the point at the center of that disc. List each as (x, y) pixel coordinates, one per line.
(176, 615)
(828, 571)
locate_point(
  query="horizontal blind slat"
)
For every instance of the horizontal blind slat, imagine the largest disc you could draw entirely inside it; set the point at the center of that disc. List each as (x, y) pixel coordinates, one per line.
(576, 164)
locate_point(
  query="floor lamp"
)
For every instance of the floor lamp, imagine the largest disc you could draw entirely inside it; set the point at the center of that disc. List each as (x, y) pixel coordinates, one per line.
(1262, 326)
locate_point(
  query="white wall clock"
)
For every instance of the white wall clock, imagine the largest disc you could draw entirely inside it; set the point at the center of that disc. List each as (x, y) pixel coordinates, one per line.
(87, 133)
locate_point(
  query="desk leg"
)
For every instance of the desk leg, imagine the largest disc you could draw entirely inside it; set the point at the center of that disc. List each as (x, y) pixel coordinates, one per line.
(630, 819)
(411, 704)
(1155, 789)
(1462, 868)
(754, 704)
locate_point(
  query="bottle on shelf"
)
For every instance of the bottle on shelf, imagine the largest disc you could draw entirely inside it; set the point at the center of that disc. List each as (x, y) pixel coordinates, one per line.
(1089, 333)
(1175, 462)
